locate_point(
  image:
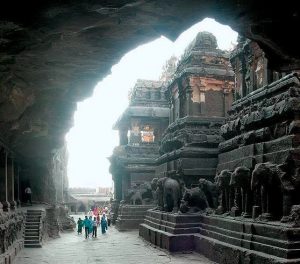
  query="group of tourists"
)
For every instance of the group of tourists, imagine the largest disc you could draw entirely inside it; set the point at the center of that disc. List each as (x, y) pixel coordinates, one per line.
(93, 221)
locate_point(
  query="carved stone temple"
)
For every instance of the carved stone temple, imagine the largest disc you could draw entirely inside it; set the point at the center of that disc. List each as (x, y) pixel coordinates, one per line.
(240, 202)
(200, 94)
(133, 162)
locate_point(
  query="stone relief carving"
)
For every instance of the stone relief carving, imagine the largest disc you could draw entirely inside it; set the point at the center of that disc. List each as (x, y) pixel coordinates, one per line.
(139, 194)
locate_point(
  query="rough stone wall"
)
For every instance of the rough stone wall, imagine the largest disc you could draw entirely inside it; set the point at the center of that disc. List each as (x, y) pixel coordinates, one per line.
(41, 181)
(48, 180)
(212, 96)
(11, 233)
(59, 171)
(50, 223)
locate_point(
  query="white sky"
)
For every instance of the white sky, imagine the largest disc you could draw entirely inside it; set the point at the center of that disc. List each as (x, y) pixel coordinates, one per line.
(92, 139)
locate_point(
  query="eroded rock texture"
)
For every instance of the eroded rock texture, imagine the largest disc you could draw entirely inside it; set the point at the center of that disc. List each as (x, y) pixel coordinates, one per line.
(11, 232)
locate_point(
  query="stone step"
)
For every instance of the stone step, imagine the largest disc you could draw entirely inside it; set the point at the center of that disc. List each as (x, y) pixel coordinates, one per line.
(32, 233)
(32, 245)
(131, 216)
(32, 227)
(32, 237)
(31, 241)
(36, 220)
(33, 214)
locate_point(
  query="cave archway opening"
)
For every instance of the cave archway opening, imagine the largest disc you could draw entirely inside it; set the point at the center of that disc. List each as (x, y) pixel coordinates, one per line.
(91, 140)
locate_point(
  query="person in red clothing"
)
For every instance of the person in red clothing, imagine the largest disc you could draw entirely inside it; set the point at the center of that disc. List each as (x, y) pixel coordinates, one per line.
(98, 220)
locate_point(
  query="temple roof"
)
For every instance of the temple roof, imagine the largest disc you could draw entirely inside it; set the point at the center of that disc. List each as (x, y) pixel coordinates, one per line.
(145, 92)
(202, 57)
(141, 111)
(203, 41)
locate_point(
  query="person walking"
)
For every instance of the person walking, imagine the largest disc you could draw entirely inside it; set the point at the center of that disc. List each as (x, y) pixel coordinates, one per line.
(87, 223)
(103, 224)
(28, 194)
(98, 220)
(95, 227)
(91, 225)
(80, 225)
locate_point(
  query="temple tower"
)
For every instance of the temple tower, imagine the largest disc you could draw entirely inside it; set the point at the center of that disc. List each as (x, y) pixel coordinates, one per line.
(133, 161)
(200, 94)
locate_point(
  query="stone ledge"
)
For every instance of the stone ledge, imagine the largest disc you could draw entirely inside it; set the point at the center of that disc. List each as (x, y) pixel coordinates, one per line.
(223, 239)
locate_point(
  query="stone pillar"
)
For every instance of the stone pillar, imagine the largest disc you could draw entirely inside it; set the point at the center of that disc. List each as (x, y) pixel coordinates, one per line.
(188, 101)
(2, 179)
(125, 185)
(171, 114)
(18, 189)
(123, 138)
(118, 187)
(6, 205)
(11, 183)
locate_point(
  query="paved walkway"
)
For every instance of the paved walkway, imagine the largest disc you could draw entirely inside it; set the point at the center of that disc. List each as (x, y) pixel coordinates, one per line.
(112, 248)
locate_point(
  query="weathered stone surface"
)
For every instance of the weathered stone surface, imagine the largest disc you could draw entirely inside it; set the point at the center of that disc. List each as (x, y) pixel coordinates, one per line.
(131, 216)
(11, 235)
(222, 238)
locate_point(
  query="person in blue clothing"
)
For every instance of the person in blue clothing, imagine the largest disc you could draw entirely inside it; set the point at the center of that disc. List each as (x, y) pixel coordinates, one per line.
(103, 224)
(87, 226)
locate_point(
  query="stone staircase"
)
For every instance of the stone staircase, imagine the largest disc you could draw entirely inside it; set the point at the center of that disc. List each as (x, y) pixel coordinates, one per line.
(32, 229)
(131, 216)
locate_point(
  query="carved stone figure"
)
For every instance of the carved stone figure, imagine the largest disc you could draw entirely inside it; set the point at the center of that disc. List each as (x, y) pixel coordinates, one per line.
(294, 217)
(136, 197)
(241, 179)
(168, 194)
(276, 187)
(210, 191)
(194, 200)
(223, 184)
(154, 186)
(138, 194)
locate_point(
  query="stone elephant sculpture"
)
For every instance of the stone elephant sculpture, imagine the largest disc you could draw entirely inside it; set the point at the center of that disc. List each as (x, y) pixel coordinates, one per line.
(225, 193)
(136, 197)
(193, 200)
(275, 187)
(138, 194)
(168, 194)
(211, 192)
(240, 180)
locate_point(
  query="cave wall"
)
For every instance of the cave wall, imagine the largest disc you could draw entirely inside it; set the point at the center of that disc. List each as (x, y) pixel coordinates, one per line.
(48, 181)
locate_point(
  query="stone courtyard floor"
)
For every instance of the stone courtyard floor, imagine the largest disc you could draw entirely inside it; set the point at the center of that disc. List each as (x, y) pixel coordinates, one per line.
(114, 247)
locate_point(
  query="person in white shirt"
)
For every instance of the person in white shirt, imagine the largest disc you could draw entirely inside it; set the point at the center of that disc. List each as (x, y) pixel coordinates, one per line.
(95, 227)
(28, 194)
